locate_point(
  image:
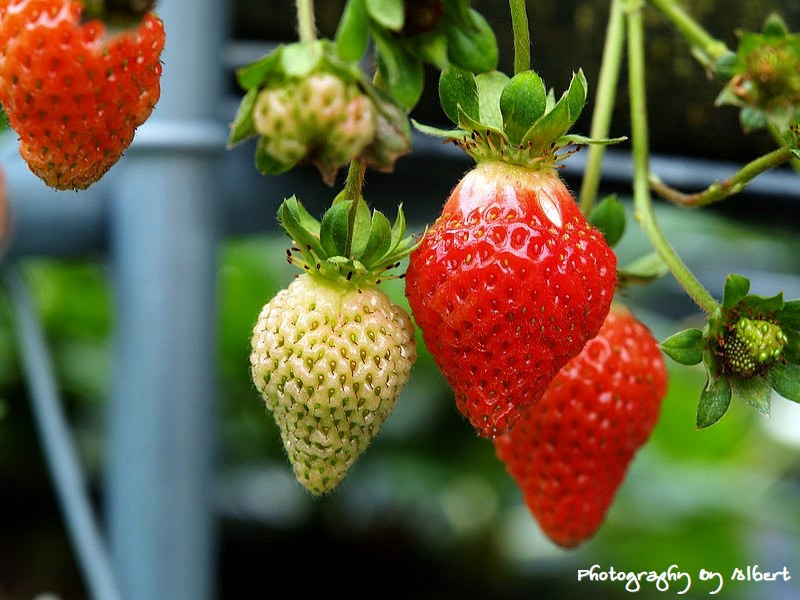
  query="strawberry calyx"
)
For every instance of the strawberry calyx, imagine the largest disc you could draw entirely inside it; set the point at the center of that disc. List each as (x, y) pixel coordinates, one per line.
(307, 104)
(763, 77)
(750, 347)
(514, 120)
(350, 245)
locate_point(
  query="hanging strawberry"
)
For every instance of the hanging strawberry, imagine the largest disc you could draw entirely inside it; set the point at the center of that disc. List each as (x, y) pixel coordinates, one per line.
(510, 281)
(331, 352)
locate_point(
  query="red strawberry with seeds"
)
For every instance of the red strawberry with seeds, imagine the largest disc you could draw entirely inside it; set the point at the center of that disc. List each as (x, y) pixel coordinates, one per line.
(75, 92)
(508, 285)
(569, 452)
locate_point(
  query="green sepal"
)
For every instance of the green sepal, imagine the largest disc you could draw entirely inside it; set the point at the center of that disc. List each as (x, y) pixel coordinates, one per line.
(762, 305)
(333, 232)
(789, 315)
(490, 88)
(785, 380)
(380, 239)
(458, 90)
(685, 347)
(609, 217)
(714, 401)
(643, 270)
(268, 164)
(387, 13)
(522, 102)
(301, 227)
(352, 33)
(254, 75)
(791, 351)
(755, 391)
(242, 127)
(736, 288)
(450, 134)
(345, 246)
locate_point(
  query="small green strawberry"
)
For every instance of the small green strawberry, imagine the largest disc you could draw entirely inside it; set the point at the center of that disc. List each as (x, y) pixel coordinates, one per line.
(750, 348)
(331, 353)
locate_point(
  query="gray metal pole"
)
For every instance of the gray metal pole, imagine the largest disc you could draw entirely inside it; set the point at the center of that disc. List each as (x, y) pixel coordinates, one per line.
(163, 247)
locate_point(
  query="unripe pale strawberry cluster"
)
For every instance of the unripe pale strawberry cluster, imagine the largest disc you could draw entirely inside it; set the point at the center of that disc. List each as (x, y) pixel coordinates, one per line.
(319, 117)
(330, 362)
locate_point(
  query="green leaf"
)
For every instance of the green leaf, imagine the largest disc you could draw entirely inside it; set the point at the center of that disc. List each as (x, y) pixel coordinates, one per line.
(457, 88)
(352, 33)
(361, 228)
(754, 391)
(242, 126)
(388, 13)
(402, 73)
(471, 43)
(256, 73)
(789, 315)
(645, 269)
(379, 242)
(294, 219)
(785, 380)
(300, 59)
(490, 87)
(685, 347)
(522, 103)
(752, 119)
(333, 230)
(775, 27)
(430, 47)
(736, 288)
(609, 217)
(268, 164)
(714, 401)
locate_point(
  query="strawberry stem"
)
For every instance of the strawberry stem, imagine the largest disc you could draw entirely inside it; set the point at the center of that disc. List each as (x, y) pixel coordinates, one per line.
(306, 25)
(708, 48)
(643, 204)
(522, 36)
(719, 190)
(352, 192)
(604, 103)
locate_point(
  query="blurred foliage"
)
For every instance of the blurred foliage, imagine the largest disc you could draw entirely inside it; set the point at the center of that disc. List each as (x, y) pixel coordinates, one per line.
(429, 506)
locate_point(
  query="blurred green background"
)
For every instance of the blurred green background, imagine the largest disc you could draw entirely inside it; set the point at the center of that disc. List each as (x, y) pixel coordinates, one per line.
(428, 511)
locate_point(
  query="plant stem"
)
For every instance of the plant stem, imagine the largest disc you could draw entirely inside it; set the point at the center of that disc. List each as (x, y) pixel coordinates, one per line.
(522, 36)
(641, 191)
(720, 190)
(708, 49)
(352, 193)
(306, 26)
(604, 103)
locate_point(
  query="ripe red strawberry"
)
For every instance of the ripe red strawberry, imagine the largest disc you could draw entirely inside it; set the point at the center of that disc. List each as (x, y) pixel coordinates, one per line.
(570, 451)
(74, 92)
(507, 285)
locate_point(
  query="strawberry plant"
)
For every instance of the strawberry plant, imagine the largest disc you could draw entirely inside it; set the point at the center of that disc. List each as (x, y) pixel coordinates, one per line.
(512, 285)
(515, 288)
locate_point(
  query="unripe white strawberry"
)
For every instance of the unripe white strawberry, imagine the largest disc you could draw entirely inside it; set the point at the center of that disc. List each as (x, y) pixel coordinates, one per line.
(330, 360)
(353, 132)
(323, 98)
(277, 119)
